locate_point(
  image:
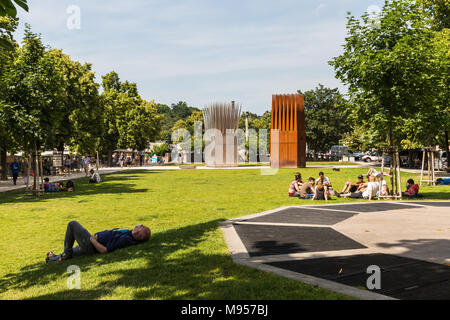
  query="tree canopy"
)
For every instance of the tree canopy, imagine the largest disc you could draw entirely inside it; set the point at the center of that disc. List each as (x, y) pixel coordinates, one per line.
(325, 118)
(394, 74)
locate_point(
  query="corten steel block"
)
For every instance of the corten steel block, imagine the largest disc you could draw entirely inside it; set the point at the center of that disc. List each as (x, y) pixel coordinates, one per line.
(288, 144)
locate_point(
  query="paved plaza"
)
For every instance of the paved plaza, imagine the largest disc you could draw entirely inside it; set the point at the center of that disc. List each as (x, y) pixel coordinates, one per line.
(332, 246)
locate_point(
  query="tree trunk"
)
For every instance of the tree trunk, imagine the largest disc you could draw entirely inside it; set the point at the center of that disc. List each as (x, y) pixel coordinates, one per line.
(4, 165)
(109, 158)
(33, 169)
(61, 149)
(399, 179)
(410, 159)
(446, 150)
(392, 162)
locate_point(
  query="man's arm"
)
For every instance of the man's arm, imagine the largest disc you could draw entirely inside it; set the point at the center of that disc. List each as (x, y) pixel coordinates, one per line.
(100, 248)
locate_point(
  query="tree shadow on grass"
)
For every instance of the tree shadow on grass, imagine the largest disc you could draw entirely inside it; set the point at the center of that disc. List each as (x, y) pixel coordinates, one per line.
(109, 185)
(173, 268)
(156, 253)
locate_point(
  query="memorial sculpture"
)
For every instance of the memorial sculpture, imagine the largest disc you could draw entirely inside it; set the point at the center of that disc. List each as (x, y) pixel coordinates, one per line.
(221, 140)
(288, 135)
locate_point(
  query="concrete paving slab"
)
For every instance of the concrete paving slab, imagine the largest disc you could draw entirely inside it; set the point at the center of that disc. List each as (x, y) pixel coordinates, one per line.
(304, 216)
(416, 233)
(262, 240)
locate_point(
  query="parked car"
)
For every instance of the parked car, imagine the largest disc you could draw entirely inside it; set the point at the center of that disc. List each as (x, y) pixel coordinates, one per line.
(357, 155)
(337, 152)
(371, 156)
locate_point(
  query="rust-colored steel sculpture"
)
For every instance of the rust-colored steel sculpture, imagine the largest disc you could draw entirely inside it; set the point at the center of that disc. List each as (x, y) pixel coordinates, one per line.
(224, 119)
(288, 135)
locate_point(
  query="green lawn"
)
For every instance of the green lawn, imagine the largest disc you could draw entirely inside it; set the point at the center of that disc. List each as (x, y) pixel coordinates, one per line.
(186, 258)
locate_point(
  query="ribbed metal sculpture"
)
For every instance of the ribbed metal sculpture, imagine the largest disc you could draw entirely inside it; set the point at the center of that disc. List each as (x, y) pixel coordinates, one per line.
(288, 141)
(221, 124)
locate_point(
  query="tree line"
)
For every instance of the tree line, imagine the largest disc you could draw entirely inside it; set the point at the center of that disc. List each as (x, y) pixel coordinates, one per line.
(49, 101)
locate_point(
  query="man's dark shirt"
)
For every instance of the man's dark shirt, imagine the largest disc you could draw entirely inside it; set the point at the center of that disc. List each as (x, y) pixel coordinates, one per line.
(115, 239)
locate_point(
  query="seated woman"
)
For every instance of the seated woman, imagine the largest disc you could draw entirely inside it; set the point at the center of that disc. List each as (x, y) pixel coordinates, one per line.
(320, 192)
(102, 242)
(294, 188)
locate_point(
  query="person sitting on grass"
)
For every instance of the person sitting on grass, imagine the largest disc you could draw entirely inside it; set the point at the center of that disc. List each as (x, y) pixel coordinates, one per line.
(101, 242)
(384, 190)
(375, 173)
(307, 190)
(367, 190)
(358, 194)
(294, 188)
(70, 186)
(51, 187)
(353, 187)
(319, 190)
(323, 185)
(95, 177)
(412, 190)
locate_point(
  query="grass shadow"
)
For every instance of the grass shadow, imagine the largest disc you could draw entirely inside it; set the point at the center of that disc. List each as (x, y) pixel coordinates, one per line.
(109, 185)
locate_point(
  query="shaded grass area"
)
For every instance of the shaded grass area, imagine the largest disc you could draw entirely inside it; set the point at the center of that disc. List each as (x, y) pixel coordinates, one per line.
(187, 257)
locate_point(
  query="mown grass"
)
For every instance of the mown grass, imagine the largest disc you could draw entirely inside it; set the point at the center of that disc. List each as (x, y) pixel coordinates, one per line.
(186, 258)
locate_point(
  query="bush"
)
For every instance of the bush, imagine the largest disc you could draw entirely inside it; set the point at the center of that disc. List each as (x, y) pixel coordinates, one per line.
(160, 150)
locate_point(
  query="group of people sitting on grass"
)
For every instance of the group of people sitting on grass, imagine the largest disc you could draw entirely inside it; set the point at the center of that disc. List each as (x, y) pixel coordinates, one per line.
(315, 189)
(374, 187)
(58, 186)
(94, 177)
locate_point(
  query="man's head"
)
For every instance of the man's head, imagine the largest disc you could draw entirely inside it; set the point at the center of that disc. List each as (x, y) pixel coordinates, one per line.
(361, 178)
(141, 233)
(321, 174)
(46, 180)
(410, 182)
(311, 180)
(91, 171)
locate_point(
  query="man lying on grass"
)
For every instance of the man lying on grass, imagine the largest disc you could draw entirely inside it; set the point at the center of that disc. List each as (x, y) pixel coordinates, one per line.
(102, 242)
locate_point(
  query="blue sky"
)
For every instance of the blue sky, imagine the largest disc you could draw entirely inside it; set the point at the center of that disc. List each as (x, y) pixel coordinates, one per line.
(203, 51)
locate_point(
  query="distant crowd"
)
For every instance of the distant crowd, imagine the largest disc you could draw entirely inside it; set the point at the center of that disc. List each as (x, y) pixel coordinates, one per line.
(374, 187)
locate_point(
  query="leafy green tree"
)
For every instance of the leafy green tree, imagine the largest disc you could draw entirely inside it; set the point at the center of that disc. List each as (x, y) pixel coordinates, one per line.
(440, 12)
(142, 125)
(392, 75)
(160, 150)
(33, 89)
(81, 126)
(129, 121)
(7, 142)
(181, 110)
(325, 118)
(8, 10)
(33, 85)
(388, 69)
